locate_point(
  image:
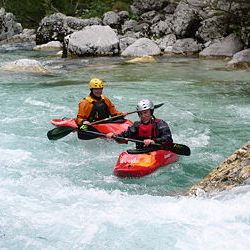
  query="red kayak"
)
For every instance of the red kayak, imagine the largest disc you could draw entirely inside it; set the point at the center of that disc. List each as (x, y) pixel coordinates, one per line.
(114, 127)
(138, 165)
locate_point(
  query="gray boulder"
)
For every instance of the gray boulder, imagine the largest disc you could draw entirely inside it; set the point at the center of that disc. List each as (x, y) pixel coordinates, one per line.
(111, 18)
(150, 17)
(186, 20)
(129, 25)
(27, 35)
(123, 15)
(55, 27)
(8, 26)
(186, 46)
(92, 40)
(211, 28)
(142, 47)
(166, 43)
(228, 46)
(125, 42)
(141, 6)
(240, 60)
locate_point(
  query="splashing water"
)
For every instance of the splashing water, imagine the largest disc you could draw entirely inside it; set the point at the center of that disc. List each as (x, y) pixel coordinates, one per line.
(63, 194)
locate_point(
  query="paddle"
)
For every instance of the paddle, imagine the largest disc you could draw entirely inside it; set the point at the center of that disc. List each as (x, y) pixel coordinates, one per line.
(173, 147)
(60, 132)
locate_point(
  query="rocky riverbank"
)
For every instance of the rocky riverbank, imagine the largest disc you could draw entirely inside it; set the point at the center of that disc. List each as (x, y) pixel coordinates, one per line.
(186, 27)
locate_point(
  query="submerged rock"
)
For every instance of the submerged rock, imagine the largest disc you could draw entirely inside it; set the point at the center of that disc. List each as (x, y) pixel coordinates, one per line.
(144, 59)
(54, 45)
(27, 65)
(230, 173)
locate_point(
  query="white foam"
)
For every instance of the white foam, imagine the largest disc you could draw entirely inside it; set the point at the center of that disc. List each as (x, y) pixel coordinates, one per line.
(12, 157)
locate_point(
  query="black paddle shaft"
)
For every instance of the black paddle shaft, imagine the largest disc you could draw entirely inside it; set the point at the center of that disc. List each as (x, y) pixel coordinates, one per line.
(173, 147)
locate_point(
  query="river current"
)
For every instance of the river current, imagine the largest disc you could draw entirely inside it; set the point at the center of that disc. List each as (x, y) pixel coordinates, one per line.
(63, 195)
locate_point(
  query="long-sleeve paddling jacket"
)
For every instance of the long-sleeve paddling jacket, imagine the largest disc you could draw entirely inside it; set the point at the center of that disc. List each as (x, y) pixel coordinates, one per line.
(160, 131)
(88, 109)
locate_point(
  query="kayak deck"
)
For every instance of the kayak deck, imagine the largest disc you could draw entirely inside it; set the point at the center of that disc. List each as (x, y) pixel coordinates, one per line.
(101, 127)
(138, 165)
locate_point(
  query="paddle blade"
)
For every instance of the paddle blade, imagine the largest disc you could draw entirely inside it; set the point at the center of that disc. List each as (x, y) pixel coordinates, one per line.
(58, 133)
(158, 105)
(179, 149)
(89, 133)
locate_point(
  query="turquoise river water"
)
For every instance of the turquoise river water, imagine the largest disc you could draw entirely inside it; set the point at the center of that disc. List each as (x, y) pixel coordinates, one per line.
(63, 194)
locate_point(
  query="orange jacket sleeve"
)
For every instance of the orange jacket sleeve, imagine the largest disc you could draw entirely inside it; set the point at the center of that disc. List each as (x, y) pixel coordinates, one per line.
(84, 110)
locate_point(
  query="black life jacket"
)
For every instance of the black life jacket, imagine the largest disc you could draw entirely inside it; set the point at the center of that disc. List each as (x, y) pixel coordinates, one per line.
(99, 111)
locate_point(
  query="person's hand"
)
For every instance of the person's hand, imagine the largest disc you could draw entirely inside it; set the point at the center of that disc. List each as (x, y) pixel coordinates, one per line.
(109, 135)
(86, 123)
(147, 142)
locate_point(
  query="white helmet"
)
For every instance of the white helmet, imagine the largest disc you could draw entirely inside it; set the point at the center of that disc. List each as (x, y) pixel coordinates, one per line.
(144, 105)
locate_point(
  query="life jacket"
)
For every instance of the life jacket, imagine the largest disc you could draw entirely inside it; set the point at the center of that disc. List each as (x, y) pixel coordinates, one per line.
(147, 131)
(99, 111)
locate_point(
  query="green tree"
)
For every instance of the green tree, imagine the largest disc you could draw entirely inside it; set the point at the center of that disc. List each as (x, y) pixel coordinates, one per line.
(27, 12)
(30, 12)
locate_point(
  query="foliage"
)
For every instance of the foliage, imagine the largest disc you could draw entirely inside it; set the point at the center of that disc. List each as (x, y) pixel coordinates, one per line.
(30, 12)
(27, 12)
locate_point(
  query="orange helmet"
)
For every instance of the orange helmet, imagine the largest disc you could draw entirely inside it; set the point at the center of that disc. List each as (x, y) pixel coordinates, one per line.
(96, 83)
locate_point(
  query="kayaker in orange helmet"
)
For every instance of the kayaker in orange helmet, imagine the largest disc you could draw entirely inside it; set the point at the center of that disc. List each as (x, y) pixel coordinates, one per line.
(149, 129)
(96, 106)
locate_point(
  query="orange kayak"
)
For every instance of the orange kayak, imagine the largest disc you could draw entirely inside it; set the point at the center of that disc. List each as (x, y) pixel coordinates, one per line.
(101, 127)
(138, 165)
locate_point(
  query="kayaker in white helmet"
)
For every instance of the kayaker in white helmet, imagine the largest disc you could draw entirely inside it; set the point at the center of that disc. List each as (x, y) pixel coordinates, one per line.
(96, 106)
(149, 129)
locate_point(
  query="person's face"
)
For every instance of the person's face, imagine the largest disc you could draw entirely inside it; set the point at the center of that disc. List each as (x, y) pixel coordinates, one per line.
(97, 92)
(145, 115)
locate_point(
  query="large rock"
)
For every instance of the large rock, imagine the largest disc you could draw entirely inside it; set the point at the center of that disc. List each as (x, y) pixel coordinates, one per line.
(26, 65)
(55, 27)
(125, 42)
(166, 43)
(111, 19)
(162, 28)
(92, 40)
(186, 46)
(224, 48)
(8, 26)
(186, 20)
(240, 60)
(142, 47)
(232, 172)
(141, 6)
(211, 28)
(27, 35)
